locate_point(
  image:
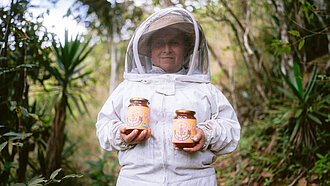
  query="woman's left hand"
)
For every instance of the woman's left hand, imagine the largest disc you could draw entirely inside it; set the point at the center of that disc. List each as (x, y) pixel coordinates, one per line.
(199, 140)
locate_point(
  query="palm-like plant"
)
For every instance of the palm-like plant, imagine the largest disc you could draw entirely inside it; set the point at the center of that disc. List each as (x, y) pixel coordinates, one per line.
(70, 75)
(302, 106)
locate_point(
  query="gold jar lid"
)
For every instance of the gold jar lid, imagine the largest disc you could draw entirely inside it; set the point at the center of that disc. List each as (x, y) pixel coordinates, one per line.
(185, 112)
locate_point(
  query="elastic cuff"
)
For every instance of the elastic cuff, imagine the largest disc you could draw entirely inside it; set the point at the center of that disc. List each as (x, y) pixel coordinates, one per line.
(207, 129)
(120, 142)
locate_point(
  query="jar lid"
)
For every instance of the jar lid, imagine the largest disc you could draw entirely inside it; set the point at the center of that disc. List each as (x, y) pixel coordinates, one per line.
(185, 112)
(139, 99)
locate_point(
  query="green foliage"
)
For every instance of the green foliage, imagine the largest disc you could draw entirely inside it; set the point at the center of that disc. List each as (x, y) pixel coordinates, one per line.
(97, 172)
(303, 113)
(39, 180)
(71, 77)
(322, 166)
(70, 71)
(23, 126)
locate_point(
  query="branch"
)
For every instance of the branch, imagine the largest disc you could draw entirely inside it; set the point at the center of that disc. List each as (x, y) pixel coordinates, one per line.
(300, 175)
(232, 14)
(217, 59)
(246, 33)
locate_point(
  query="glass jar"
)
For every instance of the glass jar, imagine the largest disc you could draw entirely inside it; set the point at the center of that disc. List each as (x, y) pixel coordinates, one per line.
(184, 128)
(137, 116)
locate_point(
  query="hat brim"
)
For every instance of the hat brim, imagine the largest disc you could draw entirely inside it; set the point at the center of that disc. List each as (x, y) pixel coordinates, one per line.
(144, 41)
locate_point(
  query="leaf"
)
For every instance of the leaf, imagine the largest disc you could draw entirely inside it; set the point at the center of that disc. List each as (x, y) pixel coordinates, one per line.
(311, 83)
(314, 118)
(72, 176)
(73, 98)
(295, 130)
(276, 42)
(302, 182)
(3, 145)
(276, 20)
(34, 116)
(267, 174)
(22, 66)
(297, 75)
(12, 134)
(294, 33)
(82, 75)
(298, 112)
(286, 93)
(24, 111)
(291, 86)
(71, 112)
(83, 103)
(301, 44)
(54, 174)
(287, 49)
(279, 51)
(36, 181)
(17, 135)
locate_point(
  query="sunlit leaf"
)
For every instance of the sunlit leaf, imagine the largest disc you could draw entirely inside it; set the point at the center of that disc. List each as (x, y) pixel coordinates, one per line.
(72, 176)
(3, 145)
(294, 33)
(17, 135)
(36, 181)
(24, 111)
(301, 44)
(12, 134)
(54, 174)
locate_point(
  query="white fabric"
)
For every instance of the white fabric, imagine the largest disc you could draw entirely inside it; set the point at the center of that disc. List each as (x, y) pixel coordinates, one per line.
(155, 162)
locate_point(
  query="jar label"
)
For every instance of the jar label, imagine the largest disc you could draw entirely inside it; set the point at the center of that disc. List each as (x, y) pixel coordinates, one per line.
(137, 117)
(184, 130)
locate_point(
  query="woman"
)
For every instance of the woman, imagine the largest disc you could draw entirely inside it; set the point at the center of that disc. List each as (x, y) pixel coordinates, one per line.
(167, 63)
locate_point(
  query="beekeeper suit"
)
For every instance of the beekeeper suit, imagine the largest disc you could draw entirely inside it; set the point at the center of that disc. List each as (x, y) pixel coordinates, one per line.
(155, 161)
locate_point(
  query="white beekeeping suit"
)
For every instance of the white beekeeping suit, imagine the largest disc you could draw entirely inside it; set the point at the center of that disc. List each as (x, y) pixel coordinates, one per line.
(155, 161)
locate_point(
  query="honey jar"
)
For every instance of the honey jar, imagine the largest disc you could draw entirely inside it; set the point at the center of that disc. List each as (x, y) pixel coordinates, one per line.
(137, 115)
(184, 128)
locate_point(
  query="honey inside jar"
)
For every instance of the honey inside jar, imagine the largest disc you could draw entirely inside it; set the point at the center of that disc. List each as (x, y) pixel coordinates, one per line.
(184, 128)
(137, 115)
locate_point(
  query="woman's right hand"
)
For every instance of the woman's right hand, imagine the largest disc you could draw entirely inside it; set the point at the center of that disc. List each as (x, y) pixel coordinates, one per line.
(134, 137)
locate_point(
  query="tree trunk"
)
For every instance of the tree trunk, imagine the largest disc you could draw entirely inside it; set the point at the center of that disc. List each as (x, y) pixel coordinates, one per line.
(23, 161)
(113, 75)
(21, 96)
(56, 140)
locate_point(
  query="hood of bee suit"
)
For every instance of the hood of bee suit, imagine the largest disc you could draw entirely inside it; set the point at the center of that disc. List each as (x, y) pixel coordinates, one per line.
(195, 66)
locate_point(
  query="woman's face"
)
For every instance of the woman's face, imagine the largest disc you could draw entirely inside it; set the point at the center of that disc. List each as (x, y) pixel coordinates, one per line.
(168, 50)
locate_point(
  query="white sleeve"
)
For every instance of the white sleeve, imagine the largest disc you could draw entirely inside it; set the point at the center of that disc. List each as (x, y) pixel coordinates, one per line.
(222, 131)
(109, 123)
